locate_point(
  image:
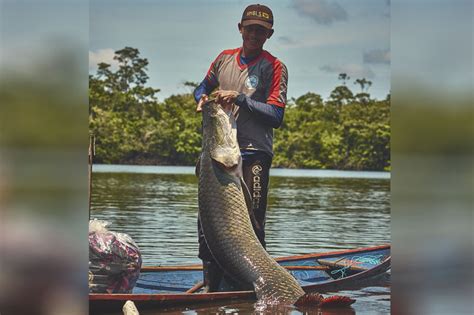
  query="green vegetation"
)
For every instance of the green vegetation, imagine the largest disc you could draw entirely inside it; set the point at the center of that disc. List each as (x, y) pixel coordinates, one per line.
(348, 131)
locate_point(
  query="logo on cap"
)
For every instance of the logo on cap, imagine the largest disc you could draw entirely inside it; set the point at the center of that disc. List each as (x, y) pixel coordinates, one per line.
(258, 14)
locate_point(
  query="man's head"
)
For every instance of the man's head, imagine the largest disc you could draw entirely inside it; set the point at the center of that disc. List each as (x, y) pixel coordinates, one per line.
(256, 26)
(257, 14)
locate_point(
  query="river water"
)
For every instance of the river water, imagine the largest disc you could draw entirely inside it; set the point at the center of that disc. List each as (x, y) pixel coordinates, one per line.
(308, 211)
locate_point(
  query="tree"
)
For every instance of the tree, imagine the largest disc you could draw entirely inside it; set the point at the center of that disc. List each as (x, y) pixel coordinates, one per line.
(309, 101)
(341, 95)
(344, 77)
(122, 109)
(363, 83)
(363, 96)
(131, 126)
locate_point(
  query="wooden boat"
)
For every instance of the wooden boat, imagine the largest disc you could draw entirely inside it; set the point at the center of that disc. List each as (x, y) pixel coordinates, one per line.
(160, 287)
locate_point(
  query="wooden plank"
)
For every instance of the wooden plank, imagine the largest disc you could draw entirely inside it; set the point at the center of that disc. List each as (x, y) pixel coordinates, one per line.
(109, 302)
(342, 263)
(196, 287)
(90, 161)
(115, 301)
(199, 267)
(286, 258)
(334, 253)
(350, 281)
(174, 297)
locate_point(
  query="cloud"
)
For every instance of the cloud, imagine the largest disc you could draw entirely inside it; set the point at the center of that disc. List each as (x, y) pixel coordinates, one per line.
(324, 39)
(353, 70)
(102, 55)
(285, 40)
(377, 56)
(320, 10)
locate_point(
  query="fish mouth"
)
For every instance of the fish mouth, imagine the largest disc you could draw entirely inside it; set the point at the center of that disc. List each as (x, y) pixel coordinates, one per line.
(220, 126)
(210, 108)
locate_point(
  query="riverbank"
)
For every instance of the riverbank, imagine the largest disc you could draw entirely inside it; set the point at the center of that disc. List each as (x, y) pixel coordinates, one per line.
(275, 172)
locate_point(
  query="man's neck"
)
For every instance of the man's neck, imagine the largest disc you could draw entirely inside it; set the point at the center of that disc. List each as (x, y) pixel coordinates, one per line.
(251, 54)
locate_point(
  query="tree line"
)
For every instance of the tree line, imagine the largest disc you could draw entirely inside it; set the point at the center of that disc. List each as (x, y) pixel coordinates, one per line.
(348, 131)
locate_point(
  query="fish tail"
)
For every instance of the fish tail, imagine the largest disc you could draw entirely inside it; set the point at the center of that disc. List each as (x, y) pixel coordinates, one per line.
(316, 299)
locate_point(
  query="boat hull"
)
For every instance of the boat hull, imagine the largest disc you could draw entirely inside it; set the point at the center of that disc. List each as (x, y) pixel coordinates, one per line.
(160, 287)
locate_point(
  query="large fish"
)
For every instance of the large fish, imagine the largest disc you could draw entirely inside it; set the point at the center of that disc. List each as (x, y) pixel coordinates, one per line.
(224, 215)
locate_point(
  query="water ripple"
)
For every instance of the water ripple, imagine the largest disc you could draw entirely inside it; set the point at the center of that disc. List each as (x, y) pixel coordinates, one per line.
(304, 215)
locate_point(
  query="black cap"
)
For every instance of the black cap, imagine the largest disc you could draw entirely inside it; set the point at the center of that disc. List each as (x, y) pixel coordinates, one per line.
(258, 14)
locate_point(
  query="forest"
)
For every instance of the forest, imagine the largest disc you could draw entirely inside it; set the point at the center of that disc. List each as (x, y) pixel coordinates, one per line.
(348, 131)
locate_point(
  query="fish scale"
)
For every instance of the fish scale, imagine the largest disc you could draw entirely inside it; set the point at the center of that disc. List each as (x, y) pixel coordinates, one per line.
(224, 216)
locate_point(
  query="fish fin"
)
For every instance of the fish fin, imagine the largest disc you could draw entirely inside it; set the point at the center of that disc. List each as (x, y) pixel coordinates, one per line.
(227, 159)
(234, 169)
(197, 170)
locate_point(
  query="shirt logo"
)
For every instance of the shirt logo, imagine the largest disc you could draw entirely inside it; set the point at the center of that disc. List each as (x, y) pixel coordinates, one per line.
(251, 82)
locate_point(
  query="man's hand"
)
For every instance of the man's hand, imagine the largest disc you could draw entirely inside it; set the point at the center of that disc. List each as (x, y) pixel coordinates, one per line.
(204, 99)
(225, 98)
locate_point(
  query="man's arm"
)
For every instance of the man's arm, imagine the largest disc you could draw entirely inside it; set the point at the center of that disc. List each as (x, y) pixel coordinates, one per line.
(202, 89)
(272, 110)
(209, 83)
(269, 114)
(201, 94)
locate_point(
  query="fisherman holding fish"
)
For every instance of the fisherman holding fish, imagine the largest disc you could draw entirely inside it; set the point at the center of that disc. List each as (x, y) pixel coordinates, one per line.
(253, 84)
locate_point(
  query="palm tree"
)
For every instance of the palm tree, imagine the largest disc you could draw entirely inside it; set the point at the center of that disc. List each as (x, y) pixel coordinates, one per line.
(344, 77)
(363, 83)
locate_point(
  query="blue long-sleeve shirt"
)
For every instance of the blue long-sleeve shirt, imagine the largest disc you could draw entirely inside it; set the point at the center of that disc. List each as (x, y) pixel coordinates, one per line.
(268, 113)
(261, 106)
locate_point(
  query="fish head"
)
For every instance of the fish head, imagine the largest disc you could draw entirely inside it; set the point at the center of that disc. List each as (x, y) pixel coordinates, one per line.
(220, 135)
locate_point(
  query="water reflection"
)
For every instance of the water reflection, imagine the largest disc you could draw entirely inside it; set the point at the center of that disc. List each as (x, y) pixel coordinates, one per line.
(305, 214)
(249, 308)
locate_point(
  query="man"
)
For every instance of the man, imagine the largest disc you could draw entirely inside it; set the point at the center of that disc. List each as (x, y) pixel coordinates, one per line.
(254, 84)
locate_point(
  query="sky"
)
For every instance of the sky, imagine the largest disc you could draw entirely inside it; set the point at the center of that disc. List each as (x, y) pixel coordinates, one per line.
(315, 39)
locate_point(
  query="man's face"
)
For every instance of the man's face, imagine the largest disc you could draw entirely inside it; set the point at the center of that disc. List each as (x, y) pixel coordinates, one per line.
(254, 36)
